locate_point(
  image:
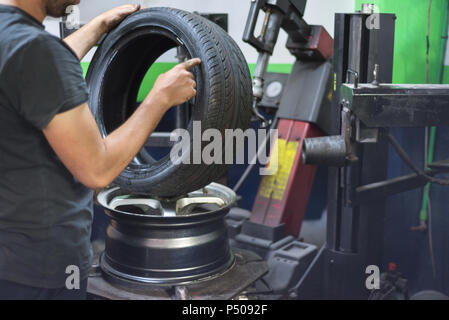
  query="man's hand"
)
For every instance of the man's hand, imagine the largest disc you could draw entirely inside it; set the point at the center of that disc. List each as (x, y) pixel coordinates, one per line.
(85, 38)
(177, 85)
(113, 17)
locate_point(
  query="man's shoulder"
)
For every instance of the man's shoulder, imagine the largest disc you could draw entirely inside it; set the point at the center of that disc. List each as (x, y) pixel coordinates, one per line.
(29, 39)
(46, 43)
(25, 39)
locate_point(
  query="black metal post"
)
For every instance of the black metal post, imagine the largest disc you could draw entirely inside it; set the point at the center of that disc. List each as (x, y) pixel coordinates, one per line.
(355, 232)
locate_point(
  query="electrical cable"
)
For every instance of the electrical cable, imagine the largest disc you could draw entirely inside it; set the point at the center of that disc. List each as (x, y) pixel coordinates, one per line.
(386, 294)
(309, 268)
(432, 253)
(423, 214)
(426, 147)
(430, 151)
(428, 41)
(404, 156)
(429, 207)
(268, 292)
(254, 160)
(433, 130)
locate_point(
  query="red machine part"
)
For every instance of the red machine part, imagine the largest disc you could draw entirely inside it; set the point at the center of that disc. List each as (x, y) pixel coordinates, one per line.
(321, 42)
(283, 197)
(319, 46)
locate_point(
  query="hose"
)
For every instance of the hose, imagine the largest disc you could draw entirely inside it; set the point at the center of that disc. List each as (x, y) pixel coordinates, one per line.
(295, 289)
(403, 155)
(254, 160)
(430, 151)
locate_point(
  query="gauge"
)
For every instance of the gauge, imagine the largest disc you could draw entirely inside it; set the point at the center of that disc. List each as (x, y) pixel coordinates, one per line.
(274, 89)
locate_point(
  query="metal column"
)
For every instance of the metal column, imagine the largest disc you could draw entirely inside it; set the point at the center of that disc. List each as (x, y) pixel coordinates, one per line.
(355, 232)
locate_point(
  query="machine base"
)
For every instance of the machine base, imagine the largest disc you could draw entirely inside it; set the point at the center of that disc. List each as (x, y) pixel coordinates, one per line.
(248, 268)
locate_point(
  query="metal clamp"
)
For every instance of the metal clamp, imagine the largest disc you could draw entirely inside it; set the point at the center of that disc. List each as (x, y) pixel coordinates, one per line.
(356, 77)
(248, 35)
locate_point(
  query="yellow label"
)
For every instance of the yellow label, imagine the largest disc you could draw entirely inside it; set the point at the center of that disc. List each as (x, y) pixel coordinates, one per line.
(329, 96)
(335, 82)
(284, 154)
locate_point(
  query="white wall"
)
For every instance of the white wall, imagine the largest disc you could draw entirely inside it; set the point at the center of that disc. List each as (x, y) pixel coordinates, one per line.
(317, 12)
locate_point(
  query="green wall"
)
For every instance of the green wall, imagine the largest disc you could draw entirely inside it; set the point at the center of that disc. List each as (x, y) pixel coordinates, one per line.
(410, 38)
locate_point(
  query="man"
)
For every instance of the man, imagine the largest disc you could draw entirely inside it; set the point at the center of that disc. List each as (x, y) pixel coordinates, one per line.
(51, 152)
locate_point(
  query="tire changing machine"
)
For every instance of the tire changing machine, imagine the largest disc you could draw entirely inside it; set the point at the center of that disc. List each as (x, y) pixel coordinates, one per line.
(146, 254)
(322, 120)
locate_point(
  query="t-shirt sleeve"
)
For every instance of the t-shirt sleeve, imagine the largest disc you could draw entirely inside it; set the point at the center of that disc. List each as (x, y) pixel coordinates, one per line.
(48, 80)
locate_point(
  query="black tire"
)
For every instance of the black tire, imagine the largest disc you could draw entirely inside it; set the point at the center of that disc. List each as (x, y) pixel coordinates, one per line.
(223, 98)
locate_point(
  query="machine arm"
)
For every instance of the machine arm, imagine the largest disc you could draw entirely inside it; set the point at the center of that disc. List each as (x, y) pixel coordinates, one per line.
(305, 42)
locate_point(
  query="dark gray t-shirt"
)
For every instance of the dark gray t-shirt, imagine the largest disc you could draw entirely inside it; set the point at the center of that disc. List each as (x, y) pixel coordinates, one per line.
(45, 214)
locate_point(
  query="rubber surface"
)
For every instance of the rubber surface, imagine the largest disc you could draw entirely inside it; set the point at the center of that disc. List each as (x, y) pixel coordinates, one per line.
(223, 98)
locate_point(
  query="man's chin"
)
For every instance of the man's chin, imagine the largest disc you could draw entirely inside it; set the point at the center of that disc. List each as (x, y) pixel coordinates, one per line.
(62, 12)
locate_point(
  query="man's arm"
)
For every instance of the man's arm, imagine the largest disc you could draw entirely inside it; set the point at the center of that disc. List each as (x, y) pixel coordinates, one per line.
(95, 161)
(86, 37)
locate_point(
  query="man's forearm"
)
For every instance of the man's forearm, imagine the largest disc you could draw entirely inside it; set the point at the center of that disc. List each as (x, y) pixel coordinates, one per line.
(126, 141)
(121, 146)
(96, 161)
(84, 39)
